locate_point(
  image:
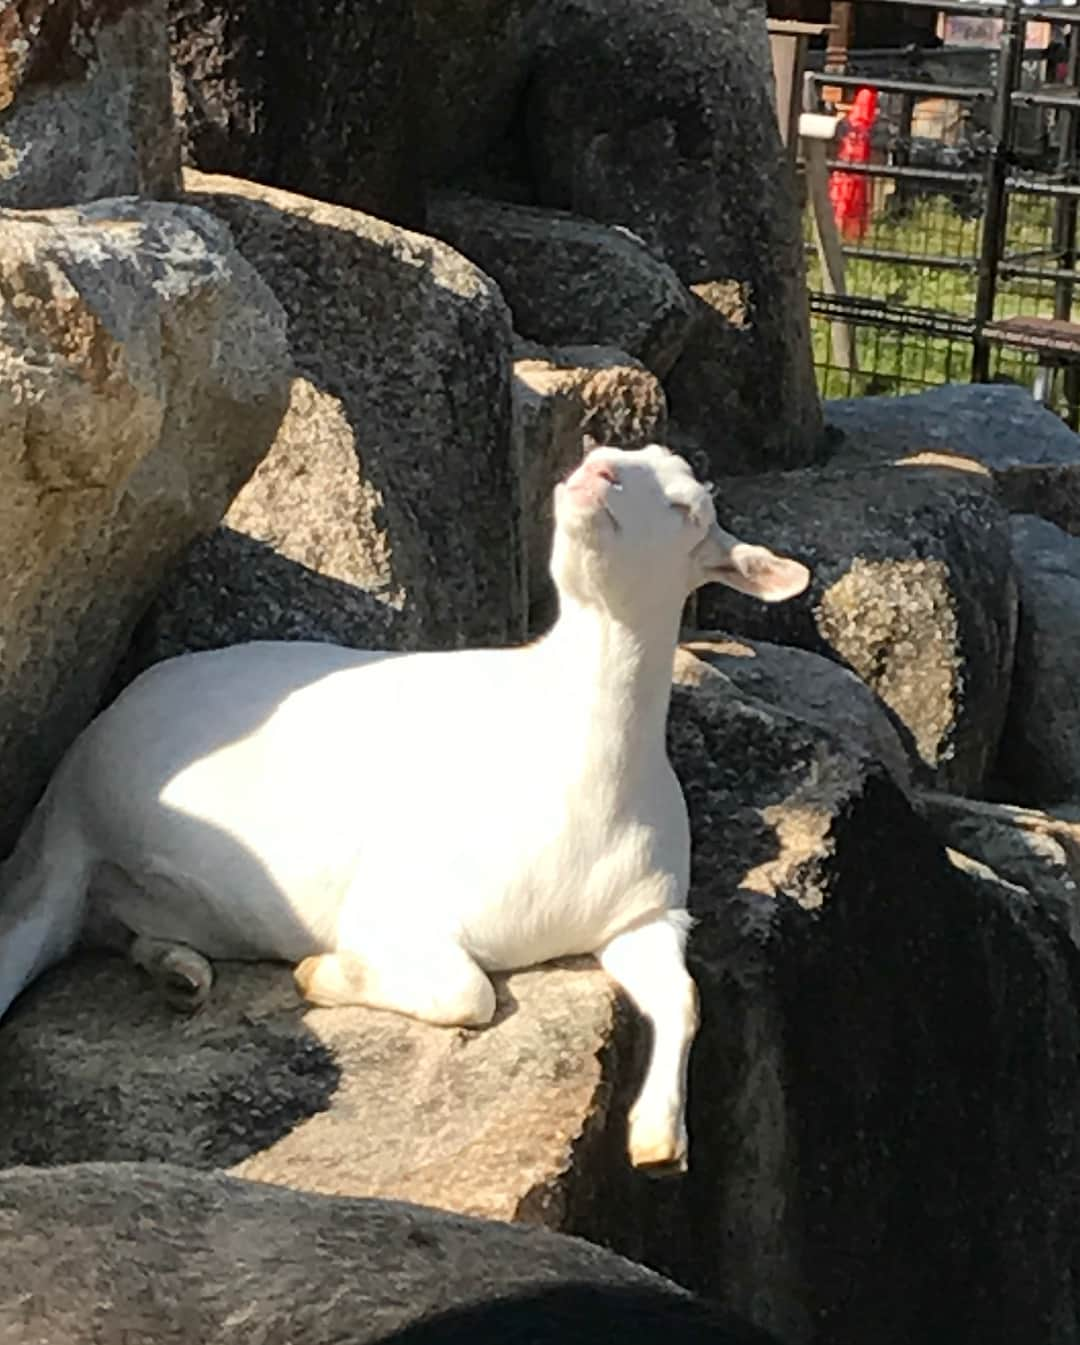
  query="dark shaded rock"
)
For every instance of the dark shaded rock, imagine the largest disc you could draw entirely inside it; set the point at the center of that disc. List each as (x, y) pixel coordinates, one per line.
(1037, 853)
(394, 468)
(811, 688)
(143, 374)
(144, 1253)
(315, 96)
(472, 68)
(912, 589)
(230, 588)
(1032, 454)
(659, 117)
(569, 281)
(880, 1033)
(85, 108)
(1040, 749)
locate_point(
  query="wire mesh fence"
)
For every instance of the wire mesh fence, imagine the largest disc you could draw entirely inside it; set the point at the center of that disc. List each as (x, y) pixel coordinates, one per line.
(968, 220)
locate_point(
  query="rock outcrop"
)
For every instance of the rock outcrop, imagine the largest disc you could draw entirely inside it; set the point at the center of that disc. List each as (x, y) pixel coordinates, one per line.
(228, 588)
(101, 1252)
(570, 281)
(1037, 853)
(659, 117)
(393, 470)
(551, 104)
(1040, 749)
(1032, 454)
(810, 688)
(143, 374)
(315, 96)
(863, 998)
(913, 590)
(85, 106)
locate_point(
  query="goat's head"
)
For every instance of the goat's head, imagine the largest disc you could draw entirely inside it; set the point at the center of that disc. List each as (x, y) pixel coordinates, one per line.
(639, 526)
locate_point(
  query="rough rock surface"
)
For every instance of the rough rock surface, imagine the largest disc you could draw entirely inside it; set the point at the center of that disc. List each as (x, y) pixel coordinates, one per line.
(1038, 853)
(347, 134)
(560, 396)
(570, 281)
(811, 688)
(912, 589)
(229, 588)
(143, 373)
(102, 1252)
(879, 1032)
(472, 59)
(659, 117)
(85, 102)
(1033, 455)
(394, 469)
(342, 1101)
(1040, 750)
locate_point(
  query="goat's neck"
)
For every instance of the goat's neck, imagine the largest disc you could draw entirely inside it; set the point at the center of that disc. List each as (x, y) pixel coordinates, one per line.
(611, 679)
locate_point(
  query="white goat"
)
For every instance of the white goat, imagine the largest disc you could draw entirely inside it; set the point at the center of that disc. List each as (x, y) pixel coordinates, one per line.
(400, 825)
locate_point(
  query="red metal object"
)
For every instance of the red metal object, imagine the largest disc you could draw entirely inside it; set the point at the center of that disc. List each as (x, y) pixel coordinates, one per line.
(850, 192)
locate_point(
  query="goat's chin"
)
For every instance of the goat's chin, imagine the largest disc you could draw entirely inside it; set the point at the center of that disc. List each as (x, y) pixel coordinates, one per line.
(588, 523)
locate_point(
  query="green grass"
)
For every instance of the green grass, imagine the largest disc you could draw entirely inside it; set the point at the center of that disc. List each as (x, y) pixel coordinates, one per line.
(892, 361)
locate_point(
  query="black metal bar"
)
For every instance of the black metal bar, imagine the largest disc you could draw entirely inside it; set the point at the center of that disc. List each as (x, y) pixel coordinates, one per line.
(985, 9)
(943, 175)
(913, 259)
(1065, 218)
(1047, 14)
(1024, 186)
(1007, 272)
(960, 93)
(1032, 98)
(996, 214)
(876, 313)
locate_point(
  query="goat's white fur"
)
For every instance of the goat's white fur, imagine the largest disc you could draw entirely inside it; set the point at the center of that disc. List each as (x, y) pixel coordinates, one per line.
(401, 825)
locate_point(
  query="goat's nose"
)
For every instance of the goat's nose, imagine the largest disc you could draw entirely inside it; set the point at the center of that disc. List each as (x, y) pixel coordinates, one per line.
(590, 473)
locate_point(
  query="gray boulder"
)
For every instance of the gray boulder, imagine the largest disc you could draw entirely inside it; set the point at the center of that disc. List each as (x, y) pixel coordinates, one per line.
(229, 587)
(143, 374)
(658, 116)
(394, 469)
(1032, 454)
(149, 1253)
(1036, 853)
(811, 688)
(348, 135)
(85, 102)
(569, 281)
(912, 589)
(1040, 749)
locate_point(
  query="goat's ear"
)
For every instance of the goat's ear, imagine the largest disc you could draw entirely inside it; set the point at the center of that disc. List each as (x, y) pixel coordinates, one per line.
(722, 559)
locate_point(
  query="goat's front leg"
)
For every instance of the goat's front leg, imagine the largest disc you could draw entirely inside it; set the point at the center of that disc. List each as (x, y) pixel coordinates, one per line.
(648, 963)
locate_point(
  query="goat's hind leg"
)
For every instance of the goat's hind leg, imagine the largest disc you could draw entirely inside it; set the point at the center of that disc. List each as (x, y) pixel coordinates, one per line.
(435, 981)
(647, 961)
(43, 888)
(181, 976)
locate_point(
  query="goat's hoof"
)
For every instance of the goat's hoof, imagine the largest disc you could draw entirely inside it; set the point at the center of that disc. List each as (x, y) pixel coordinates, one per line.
(304, 974)
(659, 1156)
(663, 1171)
(659, 1165)
(184, 979)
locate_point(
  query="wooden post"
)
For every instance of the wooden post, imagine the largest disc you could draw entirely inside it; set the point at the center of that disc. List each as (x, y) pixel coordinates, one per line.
(827, 238)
